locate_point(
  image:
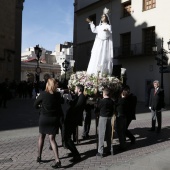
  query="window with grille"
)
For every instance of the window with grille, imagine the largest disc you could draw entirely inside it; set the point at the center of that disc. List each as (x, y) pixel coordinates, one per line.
(149, 4)
(126, 8)
(148, 40)
(126, 43)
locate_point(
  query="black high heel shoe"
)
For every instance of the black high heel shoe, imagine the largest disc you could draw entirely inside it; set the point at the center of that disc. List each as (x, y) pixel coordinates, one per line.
(38, 159)
(56, 165)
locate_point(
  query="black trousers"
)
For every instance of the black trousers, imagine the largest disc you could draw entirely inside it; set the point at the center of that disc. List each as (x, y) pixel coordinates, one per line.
(69, 144)
(156, 115)
(128, 133)
(87, 123)
(121, 130)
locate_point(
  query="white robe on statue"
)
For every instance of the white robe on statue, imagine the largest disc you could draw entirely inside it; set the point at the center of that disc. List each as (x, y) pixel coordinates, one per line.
(102, 51)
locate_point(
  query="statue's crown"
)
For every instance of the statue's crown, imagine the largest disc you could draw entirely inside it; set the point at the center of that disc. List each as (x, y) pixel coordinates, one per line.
(106, 11)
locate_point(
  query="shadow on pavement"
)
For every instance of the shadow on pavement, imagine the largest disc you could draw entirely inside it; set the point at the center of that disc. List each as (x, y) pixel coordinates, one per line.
(92, 139)
(19, 113)
(146, 138)
(142, 108)
(84, 156)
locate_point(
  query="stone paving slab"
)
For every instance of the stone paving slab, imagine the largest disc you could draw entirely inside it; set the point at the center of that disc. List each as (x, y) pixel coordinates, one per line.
(154, 161)
(18, 143)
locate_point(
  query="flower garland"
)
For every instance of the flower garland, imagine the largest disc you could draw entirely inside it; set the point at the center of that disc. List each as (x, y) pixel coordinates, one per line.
(93, 83)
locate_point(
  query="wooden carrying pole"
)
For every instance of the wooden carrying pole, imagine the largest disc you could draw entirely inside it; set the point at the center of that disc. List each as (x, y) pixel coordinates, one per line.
(96, 121)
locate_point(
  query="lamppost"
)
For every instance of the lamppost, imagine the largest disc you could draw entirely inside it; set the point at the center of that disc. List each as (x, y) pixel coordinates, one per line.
(65, 65)
(38, 53)
(72, 64)
(123, 76)
(163, 61)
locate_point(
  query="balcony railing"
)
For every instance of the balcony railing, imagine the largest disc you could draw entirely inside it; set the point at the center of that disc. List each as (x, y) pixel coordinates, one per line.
(139, 49)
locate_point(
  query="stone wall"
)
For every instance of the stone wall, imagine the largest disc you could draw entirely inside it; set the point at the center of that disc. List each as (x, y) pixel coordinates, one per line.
(10, 39)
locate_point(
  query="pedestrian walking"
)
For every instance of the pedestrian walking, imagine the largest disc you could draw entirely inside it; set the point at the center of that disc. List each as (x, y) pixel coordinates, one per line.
(74, 118)
(106, 110)
(156, 103)
(121, 114)
(131, 112)
(49, 120)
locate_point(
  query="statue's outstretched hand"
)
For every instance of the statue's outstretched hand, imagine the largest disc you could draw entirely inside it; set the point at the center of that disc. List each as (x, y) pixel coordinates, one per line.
(88, 20)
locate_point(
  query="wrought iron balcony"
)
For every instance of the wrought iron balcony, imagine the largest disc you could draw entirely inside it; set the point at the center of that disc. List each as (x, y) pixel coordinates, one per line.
(132, 50)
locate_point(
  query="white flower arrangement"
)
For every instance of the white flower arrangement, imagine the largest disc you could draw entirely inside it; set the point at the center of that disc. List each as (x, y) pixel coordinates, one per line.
(93, 83)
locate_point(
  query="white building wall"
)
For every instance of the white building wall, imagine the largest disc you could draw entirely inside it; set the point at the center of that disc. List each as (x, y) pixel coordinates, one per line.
(142, 19)
(139, 69)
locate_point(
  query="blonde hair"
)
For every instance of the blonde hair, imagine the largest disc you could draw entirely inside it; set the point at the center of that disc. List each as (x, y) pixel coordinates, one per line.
(51, 85)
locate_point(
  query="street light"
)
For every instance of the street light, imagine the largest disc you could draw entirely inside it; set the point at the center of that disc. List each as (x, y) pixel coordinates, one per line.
(38, 53)
(65, 65)
(72, 63)
(123, 76)
(163, 61)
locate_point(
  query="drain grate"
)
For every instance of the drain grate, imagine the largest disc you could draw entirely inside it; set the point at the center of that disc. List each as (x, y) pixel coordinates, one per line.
(2, 161)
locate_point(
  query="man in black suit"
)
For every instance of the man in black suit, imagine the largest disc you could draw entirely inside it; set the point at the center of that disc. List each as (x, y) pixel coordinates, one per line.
(131, 112)
(156, 103)
(74, 118)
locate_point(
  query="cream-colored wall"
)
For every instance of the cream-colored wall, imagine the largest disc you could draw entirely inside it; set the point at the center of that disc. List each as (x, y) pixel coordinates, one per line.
(10, 39)
(139, 69)
(142, 19)
(45, 69)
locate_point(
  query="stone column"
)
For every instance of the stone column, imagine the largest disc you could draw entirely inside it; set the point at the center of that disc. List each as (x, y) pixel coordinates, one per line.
(18, 39)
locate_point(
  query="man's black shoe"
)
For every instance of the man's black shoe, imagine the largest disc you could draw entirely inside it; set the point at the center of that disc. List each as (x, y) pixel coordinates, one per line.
(75, 159)
(158, 131)
(85, 137)
(108, 153)
(151, 130)
(133, 141)
(74, 139)
(122, 149)
(70, 154)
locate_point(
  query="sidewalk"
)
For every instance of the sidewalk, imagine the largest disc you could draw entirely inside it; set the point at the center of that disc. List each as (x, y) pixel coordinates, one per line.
(19, 134)
(158, 160)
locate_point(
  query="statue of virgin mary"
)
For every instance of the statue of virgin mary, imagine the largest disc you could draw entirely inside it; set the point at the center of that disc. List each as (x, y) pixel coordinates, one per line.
(101, 59)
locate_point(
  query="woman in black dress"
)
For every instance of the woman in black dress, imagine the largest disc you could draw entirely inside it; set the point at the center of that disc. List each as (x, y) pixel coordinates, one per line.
(49, 120)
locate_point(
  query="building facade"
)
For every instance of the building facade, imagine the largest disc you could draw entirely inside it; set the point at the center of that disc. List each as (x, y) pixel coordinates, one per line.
(49, 62)
(28, 71)
(10, 39)
(136, 26)
(65, 52)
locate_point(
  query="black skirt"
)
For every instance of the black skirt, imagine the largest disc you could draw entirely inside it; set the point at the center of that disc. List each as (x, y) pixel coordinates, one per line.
(48, 125)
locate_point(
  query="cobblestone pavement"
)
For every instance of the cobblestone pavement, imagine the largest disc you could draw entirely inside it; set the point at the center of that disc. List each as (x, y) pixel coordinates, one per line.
(19, 134)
